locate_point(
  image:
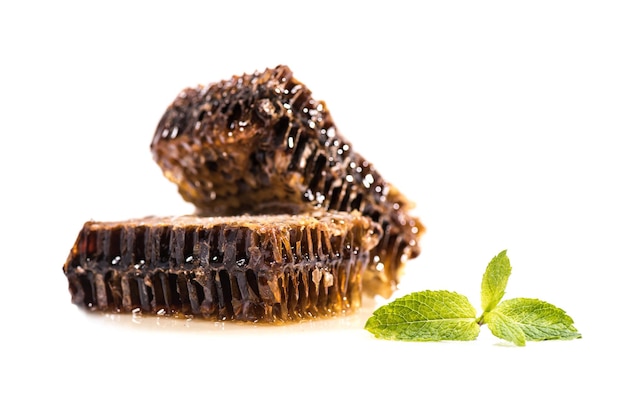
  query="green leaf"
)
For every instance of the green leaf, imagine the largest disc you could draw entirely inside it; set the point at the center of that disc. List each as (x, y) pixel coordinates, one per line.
(538, 320)
(425, 316)
(504, 327)
(494, 281)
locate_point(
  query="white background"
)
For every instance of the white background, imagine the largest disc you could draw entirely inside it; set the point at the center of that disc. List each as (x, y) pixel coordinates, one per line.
(504, 122)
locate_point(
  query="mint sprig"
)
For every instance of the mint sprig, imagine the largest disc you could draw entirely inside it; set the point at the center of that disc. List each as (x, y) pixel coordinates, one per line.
(442, 315)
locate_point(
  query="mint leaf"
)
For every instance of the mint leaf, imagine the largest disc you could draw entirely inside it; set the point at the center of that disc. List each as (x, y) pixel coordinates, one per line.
(425, 316)
(495, 280)
(538, 321)
(504, 327)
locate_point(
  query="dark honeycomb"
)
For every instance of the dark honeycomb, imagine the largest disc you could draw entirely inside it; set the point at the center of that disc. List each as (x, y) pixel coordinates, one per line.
(259, 143)
(248, 268)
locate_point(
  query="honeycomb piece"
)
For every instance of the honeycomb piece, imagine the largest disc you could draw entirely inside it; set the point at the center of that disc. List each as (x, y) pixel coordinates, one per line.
(259, 143)
(247, 268)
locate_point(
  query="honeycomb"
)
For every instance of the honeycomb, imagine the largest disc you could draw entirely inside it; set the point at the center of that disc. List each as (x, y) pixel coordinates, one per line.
(250, 268)
(259, 144)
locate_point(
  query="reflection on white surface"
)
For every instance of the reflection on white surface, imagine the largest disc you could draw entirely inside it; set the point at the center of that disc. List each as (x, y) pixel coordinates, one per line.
(190, 324)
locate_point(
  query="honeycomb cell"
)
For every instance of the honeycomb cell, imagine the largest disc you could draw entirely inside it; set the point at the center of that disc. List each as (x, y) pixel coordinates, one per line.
(259, 143)
(265, 268)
